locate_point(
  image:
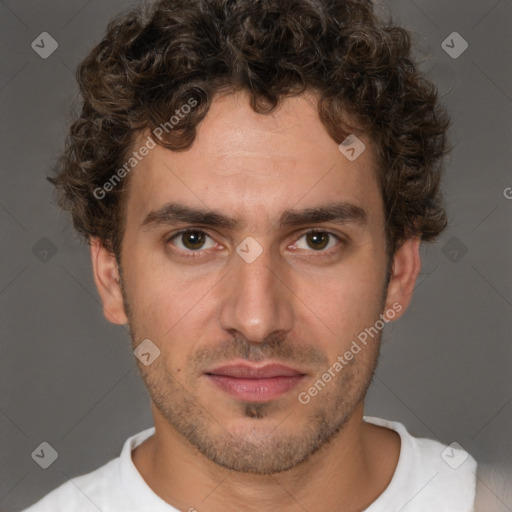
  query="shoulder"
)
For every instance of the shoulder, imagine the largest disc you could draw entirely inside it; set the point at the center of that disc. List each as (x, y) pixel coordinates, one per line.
(453, 469)
(106, 488)
(80, 493)
(430, 475)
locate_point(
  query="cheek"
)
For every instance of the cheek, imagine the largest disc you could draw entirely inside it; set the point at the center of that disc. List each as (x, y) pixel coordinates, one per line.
(346, 299)
(166, 301)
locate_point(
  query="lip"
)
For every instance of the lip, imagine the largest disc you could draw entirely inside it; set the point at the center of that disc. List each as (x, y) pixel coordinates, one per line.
(251, 383)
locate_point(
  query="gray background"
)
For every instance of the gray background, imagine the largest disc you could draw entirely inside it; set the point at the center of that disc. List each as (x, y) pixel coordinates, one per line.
(67, 376)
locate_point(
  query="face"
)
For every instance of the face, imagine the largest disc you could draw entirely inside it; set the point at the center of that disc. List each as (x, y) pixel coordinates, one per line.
(253, 261)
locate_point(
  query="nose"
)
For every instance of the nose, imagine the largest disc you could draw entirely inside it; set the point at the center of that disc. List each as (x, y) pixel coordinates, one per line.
(256, 301)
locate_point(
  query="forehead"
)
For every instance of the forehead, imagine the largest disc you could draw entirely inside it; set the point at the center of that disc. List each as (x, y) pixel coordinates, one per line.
(242, 160)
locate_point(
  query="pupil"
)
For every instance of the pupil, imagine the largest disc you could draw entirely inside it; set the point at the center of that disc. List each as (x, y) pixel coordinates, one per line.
(193, 239)
(317, 240)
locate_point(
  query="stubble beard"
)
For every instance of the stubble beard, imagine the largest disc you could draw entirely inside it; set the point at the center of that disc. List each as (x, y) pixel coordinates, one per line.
(253, 449)
(250, 450)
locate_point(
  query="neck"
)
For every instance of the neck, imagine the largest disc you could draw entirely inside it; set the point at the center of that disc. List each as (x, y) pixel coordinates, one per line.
(348, 473)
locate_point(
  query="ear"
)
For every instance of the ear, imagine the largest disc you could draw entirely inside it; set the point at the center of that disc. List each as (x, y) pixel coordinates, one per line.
(404, 273)
(106, 277)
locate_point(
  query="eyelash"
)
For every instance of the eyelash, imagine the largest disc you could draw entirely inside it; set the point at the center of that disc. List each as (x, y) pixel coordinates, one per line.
(197, 254)
(188, 254)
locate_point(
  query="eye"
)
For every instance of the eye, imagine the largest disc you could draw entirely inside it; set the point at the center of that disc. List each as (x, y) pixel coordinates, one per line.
(192, 240)
(317, 240)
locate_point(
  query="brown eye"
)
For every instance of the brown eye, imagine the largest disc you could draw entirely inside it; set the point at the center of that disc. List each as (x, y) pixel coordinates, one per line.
(317, 240)
(192, 240)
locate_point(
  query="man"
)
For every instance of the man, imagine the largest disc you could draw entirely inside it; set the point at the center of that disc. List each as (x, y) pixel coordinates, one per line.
(255, 179)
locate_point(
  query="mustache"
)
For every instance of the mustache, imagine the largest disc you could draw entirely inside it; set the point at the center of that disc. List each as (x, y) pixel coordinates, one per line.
(276, 348)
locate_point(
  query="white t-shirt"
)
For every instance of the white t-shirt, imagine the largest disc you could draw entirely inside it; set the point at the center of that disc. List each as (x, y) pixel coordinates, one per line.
(429, 477)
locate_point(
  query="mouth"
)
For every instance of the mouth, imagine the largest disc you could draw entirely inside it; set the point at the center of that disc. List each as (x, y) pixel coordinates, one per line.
(251, 383)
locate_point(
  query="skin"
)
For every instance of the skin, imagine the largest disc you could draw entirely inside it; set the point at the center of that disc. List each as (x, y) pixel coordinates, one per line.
(294, 304)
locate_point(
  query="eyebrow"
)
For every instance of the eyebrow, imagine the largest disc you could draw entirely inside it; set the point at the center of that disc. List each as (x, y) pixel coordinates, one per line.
(173, 213)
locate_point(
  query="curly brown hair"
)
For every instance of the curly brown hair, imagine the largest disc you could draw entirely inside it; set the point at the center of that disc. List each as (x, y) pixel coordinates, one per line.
(154, 59)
